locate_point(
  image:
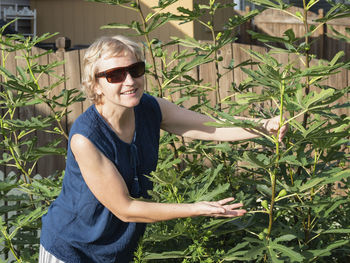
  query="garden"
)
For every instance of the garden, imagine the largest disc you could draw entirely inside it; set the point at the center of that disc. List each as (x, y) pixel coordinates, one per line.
(296, 191)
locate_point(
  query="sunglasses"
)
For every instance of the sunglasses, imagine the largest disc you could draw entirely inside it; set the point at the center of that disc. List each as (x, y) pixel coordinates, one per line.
(116, 75)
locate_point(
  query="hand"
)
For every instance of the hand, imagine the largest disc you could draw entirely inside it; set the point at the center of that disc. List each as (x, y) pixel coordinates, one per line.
(273, 125)
(220, 208)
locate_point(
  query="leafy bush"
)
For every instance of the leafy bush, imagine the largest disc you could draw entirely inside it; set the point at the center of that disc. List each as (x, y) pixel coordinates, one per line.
(26, 195)
(296, 191)
(290, 188)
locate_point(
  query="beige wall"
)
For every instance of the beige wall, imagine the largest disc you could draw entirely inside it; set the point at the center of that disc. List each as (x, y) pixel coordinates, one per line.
(80, 20)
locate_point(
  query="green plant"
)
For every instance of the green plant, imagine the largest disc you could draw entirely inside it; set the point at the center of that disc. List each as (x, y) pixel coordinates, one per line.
(295, 215)
(25, 195)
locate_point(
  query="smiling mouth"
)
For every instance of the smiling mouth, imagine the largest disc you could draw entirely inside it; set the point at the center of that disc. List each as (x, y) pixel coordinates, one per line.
(128, 92)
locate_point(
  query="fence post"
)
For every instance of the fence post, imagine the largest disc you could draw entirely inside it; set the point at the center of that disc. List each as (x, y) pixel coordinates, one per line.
(62, 44)
(246, 37)
(322, 36)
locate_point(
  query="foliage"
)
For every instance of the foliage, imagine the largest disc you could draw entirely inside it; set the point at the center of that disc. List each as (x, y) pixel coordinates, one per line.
(297, 191)
(25, 195)
(295, 214)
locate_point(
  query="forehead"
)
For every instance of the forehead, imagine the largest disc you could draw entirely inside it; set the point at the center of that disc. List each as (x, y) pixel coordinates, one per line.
(108, 62)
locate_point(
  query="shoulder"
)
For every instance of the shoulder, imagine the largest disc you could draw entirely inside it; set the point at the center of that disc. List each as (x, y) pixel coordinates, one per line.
(84, 150)
(85, 121)
(79, 143)
(150, 106)
(149, 100)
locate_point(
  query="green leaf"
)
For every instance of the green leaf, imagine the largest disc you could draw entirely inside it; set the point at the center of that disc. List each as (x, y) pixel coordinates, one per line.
(311, 183)
(290, 159)
(337, 57)
(264, 189)
(339, 176)
(311, 3)
(315, 127)
(317, 98)
(164, 255)
(116, 25)
(337, 231)
(271, 4)
(335, 206)
(273, 255)
(257, 160)
(286, 251)
(158, 21)
(7, 186)
(266, 38)
(326, 251)
(284, 238)
(237, 248)
(250, 97)
(214, 193)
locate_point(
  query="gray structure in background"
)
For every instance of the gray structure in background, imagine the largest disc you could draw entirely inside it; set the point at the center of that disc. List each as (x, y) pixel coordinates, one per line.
(322, 4)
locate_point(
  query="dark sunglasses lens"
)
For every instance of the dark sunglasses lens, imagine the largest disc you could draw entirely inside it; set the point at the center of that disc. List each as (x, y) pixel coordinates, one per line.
(115, 76)
(137, 70)
(119, 75)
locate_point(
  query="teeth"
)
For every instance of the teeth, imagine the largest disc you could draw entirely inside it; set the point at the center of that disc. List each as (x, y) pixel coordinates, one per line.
(129, 92)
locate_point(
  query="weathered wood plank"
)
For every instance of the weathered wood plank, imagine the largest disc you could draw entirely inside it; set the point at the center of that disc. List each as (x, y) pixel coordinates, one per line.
(225, 82)
(73, 82)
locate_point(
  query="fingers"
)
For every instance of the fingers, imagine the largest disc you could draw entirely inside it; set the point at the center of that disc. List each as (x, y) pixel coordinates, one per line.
(273, 125)
(283, 132)
(226, 200)
(222, 209)
(231, 213)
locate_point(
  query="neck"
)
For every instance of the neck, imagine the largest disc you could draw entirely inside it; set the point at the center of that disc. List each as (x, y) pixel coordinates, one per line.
(120, 119)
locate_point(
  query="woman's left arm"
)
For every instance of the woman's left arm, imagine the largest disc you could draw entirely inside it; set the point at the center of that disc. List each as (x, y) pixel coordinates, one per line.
(186, 123)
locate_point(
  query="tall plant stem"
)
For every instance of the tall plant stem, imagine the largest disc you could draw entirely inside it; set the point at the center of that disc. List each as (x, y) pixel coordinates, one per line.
(307, 57)
(217, 79)
(149, 46)
(312, 193)
(307, 90)
(273, 174)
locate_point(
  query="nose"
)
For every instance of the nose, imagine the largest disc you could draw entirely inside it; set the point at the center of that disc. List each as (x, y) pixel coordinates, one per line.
(129, 80)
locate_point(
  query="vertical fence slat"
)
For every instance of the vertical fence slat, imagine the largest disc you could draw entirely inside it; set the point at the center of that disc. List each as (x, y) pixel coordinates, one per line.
(10, 65)
(227, 79)
(169, 92)
(207, 73)
(86, 103)
(43, 110)
(72, 73)
(150, 81)
(54, 163)
(194, 74)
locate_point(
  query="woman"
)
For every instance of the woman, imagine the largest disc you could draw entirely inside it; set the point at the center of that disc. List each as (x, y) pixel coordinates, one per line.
(112, 145)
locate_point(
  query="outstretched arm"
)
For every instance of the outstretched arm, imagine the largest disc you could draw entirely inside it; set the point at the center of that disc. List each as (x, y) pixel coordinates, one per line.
(108, 186)
(183, 122)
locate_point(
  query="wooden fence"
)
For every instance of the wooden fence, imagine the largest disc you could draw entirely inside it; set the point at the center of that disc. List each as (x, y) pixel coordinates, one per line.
(275, 23)
(71, 69)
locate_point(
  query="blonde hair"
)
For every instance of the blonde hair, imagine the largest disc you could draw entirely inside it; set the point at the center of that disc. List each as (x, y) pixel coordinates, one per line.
(115, 46)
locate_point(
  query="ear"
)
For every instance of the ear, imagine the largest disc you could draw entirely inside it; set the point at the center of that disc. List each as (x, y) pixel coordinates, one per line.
(97, 89)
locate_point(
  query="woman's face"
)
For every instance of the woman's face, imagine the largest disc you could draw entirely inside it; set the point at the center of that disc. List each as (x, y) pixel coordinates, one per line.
(127, 93)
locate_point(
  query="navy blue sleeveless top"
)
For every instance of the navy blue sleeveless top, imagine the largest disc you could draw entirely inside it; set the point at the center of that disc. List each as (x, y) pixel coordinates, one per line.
(77, 227)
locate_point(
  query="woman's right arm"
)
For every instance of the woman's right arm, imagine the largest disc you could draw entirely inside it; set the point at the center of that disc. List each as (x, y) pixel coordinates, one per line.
(108, 186)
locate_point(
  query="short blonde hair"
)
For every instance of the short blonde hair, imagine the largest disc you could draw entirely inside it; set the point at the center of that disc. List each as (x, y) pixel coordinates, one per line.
(115, 46)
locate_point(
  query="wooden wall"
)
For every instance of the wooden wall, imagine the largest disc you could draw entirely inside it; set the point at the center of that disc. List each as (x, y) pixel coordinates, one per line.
(80, 20)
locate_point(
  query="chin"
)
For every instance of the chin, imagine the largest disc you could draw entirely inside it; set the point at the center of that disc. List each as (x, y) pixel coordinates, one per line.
(133, 101)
